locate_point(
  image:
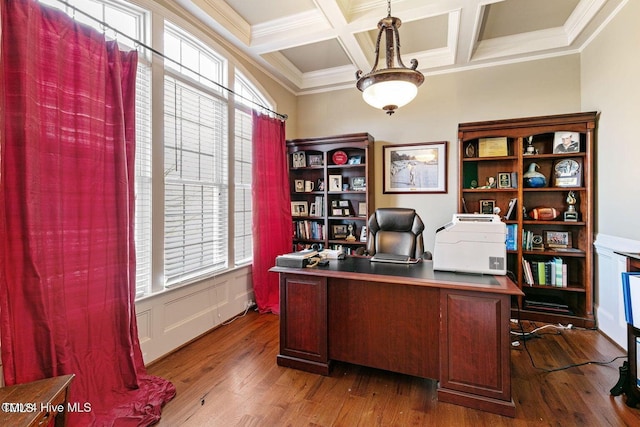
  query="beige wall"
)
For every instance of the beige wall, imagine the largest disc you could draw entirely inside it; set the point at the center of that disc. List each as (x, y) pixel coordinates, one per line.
(610, 68)
(549, 86)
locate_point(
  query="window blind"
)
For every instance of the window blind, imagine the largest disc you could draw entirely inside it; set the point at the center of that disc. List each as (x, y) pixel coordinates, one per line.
(243, 236)
(143, 240)
(196, 181)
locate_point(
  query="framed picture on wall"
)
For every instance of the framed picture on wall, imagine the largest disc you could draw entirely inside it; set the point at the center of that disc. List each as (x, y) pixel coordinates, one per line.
(415, 168)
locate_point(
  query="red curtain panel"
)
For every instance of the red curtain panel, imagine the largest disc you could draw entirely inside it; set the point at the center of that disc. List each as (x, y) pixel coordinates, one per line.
(271, 208)
(67, 258)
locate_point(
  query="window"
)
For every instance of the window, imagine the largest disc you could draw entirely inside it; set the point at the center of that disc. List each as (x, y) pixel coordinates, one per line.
(196, 190)
(199, 173)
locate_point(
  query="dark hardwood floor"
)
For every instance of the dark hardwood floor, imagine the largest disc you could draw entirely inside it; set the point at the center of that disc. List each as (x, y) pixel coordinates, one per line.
(229, 377)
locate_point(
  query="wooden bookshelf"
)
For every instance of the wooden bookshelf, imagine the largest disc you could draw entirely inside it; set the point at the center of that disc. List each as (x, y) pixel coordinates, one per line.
(520, 143)
(331, 185)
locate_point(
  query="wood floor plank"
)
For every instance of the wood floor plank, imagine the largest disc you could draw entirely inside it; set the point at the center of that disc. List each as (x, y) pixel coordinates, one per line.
(229, 377)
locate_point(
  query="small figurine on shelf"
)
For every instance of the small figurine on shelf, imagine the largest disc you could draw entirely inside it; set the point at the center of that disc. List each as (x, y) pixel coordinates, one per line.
(489, 183)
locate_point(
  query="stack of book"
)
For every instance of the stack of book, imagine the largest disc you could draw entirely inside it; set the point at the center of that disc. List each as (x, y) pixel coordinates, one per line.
(545, 273)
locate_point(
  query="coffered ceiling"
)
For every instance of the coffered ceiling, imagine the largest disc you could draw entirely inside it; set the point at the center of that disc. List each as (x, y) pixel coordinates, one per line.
(318, 45)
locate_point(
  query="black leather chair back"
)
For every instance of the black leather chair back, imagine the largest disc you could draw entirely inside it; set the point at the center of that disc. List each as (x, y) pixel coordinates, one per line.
(396, 231)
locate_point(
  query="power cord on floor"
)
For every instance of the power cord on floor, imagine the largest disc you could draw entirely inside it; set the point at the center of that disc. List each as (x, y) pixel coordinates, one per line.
(525, 336)
(246, 310)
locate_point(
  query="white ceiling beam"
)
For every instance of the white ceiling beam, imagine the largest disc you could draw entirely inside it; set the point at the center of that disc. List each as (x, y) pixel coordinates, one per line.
(290, 31)
(581, 16)
(519, 44)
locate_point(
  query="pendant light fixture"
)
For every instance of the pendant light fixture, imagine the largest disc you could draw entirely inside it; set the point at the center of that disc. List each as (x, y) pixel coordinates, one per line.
(392, 87)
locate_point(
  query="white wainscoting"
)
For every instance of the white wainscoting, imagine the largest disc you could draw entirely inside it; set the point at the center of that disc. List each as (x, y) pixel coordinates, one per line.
(609, 304)
(168, 320)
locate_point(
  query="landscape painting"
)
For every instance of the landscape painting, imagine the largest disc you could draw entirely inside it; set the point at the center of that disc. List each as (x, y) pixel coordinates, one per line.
(415, 168)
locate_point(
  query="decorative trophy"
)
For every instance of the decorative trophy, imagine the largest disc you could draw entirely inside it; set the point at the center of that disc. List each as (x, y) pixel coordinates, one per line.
(351, 229)
(530, 148)
(571, 214)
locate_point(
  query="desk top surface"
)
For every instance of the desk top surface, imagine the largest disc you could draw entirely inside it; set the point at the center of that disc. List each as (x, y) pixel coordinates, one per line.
(634, 255)
(420, 274)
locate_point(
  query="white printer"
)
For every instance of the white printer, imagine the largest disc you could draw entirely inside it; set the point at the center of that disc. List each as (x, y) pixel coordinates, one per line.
(471, 243)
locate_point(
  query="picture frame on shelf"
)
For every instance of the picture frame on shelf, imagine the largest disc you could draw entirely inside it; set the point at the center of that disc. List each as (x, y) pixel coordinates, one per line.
(313, 210)
(335, 182)
(504, 180)
(567, 173)
(340, 231)
(358, 183)
(554, 239)
(415, 168)
(566, 142)
(487, 206)
(493, 147)
(299, 208)
(344, 204)
(355, 160)
(315, 160)
(299, 185)
(362, 209)
(299, 159)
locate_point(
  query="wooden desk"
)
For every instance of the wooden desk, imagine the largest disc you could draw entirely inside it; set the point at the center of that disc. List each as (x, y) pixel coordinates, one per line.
(32, 404)
(403, 318)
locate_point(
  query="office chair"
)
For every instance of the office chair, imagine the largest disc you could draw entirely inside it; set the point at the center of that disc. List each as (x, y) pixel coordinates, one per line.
(396, 231)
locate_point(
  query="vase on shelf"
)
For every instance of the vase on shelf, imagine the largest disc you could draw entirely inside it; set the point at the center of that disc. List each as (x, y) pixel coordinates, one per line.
(532, 178)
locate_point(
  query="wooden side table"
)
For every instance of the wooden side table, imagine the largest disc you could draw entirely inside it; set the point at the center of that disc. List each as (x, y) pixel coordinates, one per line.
(34, 403)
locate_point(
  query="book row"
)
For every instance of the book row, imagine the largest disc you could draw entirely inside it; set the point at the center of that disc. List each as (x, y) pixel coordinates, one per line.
(308, 230)
(545, 273)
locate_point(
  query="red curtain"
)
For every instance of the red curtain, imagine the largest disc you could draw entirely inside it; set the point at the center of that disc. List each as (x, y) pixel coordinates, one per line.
(271, 208)
(67, 259)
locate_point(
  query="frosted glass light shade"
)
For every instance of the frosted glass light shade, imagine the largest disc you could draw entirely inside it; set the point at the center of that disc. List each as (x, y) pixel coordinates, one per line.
(390, 94)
